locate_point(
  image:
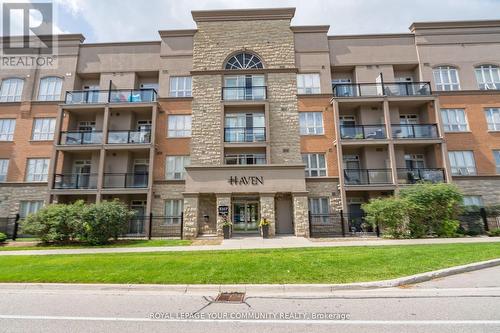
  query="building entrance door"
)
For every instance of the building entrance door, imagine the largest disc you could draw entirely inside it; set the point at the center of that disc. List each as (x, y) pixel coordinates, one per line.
(246, 216)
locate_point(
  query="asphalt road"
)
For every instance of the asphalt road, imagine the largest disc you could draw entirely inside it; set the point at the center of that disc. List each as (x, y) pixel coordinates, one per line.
(467, 302)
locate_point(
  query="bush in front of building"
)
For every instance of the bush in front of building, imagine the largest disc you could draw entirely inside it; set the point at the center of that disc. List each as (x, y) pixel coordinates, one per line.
(494, 232)
(56, 222)
(419, 211)
(3, 237)
(104, 221)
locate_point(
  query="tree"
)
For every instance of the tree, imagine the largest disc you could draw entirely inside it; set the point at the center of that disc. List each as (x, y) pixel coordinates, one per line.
(389, 214)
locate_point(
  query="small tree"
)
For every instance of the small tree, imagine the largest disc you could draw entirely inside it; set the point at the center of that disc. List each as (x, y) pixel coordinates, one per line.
(105, 220)
(55, 223)
(390, 214)
(436, 209)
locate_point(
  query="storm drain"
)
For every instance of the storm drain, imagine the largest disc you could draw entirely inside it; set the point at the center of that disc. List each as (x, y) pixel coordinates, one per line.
(230, 298)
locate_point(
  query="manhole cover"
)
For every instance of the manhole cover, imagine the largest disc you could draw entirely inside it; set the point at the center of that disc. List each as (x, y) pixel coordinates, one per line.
(230, 297)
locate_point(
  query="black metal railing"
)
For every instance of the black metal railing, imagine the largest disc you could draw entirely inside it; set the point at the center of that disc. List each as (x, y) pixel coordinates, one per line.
(326, 225)
(413, 176)
(382, 89)
(111, 96)
(244, 134)
(125, 180)
(129, 136)
(250, 93)
(367, 176)
(81, 138)
(362, 132)
(414, 131)
(75, 181)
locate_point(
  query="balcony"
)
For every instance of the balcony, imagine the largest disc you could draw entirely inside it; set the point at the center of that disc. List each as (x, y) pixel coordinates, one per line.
(251, 93)
(81, 138)
(129, 137)
(382, 89)
(415, 131)
(125, 180)
(362, 132)
(413, 176)
(111, 96)
(244, 134)
(75, 181)
(367, 176)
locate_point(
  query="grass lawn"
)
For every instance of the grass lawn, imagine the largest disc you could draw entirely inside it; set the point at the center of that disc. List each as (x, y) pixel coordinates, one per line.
(311, 265)
(120, 243)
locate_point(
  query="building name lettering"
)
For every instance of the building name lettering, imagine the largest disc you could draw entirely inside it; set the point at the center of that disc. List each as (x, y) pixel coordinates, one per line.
(246, 180)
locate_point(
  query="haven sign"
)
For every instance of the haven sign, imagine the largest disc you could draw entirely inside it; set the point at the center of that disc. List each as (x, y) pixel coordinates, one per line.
(246, 180)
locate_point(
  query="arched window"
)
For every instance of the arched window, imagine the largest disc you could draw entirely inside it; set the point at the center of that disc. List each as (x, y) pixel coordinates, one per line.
(244, 60)
(446, 78)
(50, 89)
(11, 90)
(488, 77)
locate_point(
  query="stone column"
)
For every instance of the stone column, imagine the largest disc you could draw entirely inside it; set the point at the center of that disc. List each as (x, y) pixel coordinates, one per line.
(267, 211)
(301, 214)
(190, 228)
(222, 199)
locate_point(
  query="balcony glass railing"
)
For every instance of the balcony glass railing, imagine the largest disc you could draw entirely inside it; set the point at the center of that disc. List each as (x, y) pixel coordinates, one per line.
(111, 96)
(362, 132)
(81, 138)
(126, 137)
(125, 180)
(379, 89)
(367, 176)
(252, 93)
(412, 176)
(414, 131)
(244, 134)
(75, 181)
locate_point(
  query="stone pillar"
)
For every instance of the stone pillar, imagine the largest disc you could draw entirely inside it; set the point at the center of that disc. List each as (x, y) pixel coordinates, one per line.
(301, 214)
(267, 211)
(190, 228)
(223, 199)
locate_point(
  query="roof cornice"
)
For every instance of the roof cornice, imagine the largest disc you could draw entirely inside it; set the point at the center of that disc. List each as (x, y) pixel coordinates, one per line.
(311, 28)
(60, 38)
(177, 33)
(455, 24)
(243, 14)
(368, 36)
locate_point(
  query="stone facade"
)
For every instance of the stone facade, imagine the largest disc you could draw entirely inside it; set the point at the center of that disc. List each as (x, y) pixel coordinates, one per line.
(267, 210)
(222, 200)
(190, 216)
(488, 189)
(325, 189)
(301, 215)
(12, 195)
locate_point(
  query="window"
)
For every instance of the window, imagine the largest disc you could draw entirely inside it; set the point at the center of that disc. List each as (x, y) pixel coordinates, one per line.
(308, 84)
(244, 61)
(175, 167)
(446, 78)
(319, 207)
(496, 153)
(43, 129)
(473, 200)
(315, 165)
(180, 86)
(173, 211)
(488, 77)
(454, 120)
(50, 89)
(244, 87)
(37, 170)
(7, 129)
(245, 159)
(4, 167)
(493, 119)
(179, 126)
(11, 90)
(311, 123)
(462, 163)
(29, 207)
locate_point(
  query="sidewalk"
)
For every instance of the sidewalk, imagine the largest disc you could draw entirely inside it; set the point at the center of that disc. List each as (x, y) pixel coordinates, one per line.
(247, 243)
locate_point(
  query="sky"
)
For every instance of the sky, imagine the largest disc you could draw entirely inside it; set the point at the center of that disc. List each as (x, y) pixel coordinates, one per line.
(140, 20)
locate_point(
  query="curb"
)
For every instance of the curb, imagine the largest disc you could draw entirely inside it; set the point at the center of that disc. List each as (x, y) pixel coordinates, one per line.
(258, 289)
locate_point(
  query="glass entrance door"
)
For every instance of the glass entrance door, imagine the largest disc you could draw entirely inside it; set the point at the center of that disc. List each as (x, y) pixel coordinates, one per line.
(246, 216)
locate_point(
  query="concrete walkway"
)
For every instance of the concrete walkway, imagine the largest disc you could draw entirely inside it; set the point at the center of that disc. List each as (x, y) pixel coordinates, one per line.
(240, 243)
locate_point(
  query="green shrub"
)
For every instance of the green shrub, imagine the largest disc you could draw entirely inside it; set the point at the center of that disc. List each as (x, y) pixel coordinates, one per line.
(494, 232)
(104, 220)
(55, 223)
(447, 228)
(390, 214)
(3, 237)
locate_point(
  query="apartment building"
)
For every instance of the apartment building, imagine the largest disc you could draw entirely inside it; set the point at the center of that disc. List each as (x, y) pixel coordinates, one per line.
(249, 115)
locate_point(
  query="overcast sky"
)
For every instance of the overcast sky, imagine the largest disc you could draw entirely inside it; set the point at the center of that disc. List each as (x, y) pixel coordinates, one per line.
(130, 20)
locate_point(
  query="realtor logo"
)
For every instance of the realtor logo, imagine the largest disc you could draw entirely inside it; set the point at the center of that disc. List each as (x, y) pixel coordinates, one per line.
(28, 40)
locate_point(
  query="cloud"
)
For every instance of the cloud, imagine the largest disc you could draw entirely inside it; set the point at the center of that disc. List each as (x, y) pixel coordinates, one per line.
(126, 20)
